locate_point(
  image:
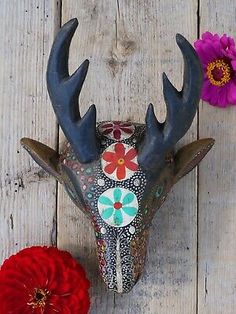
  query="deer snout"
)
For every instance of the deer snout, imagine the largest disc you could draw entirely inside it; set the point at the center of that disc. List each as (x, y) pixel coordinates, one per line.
(121, 261)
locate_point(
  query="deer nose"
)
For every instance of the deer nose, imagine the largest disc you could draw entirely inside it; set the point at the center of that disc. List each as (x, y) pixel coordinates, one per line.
(121, 287)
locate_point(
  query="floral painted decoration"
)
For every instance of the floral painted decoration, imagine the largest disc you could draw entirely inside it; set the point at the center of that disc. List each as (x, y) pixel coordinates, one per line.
(118, 206)
(116, 130)
(218, 57)
(119, 161)
(43, 280)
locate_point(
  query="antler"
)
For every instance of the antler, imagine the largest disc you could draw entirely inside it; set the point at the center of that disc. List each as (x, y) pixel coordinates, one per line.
(64, 91)
(160, 138)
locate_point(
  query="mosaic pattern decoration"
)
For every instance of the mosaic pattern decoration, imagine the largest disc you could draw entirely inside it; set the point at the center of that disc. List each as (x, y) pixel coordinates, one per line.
(119, 199)
(114, 193)
(112, 190)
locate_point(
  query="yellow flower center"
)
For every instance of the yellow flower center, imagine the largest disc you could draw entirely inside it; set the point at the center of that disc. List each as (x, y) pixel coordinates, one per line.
(218, 72)
(38, 298)
(121, 161)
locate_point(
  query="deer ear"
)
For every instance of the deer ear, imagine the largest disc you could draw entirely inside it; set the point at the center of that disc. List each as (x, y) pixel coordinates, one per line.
(190, 155)
(45, 156)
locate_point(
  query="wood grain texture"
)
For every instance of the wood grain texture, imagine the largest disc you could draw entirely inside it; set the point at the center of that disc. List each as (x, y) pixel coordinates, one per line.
(28, 195)
(217, 184)
(129, 44)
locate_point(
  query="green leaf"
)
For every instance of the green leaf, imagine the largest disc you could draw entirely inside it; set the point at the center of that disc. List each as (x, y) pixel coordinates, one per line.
(117, 195)
(118, 219)
(105, 200)
(129, 197)
(131, 211)
(107, 213)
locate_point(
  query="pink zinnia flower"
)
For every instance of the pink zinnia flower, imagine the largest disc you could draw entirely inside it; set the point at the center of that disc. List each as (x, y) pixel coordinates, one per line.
(218, 57)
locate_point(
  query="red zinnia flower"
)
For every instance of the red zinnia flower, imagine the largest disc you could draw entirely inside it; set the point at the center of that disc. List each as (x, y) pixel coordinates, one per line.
(122, 158)
(43, 280)
(218, 57)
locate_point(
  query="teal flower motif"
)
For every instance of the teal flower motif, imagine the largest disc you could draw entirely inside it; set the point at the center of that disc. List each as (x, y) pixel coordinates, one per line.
(118, 206)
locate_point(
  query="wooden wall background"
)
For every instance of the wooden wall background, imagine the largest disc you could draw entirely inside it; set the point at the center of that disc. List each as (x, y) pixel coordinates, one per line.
(191, 264)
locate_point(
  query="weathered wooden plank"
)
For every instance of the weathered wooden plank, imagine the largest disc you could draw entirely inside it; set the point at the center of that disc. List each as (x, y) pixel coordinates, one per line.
(129, 44)
(28, 200)
(217, 182)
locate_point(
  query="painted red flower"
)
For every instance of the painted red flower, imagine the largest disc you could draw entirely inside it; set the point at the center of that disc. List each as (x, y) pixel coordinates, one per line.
(43, 280)
(116, 130)
(119, 161)
(218, 57)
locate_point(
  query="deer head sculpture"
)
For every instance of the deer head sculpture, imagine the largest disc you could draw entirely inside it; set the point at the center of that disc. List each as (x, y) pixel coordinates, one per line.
(119, 173)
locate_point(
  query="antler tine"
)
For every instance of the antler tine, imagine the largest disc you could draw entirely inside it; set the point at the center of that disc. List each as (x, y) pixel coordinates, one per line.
(182, 106)
(64, 91)
(181, 109)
